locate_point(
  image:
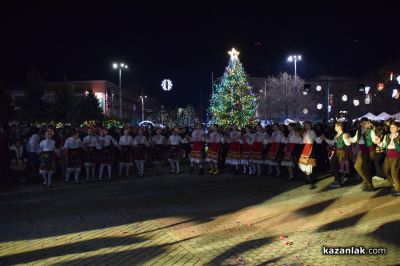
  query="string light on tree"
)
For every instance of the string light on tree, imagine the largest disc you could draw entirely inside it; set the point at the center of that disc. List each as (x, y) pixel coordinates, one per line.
(234, 101)
(166, 85)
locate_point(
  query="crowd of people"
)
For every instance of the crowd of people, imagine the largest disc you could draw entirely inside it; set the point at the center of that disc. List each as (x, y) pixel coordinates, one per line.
(359, 150)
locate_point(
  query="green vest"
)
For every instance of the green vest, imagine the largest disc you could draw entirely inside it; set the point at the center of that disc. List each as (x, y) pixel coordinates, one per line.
(368, 139)
(396, 142)
(340, 142)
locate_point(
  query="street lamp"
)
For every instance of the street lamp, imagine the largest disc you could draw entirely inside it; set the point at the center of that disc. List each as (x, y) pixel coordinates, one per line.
(294, 58)
(120, 67)
(265, 98)
(142, 100)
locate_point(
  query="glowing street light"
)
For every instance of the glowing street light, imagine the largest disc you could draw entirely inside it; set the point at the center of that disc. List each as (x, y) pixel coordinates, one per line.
(294, 58)
(142, 100)
(120, 67)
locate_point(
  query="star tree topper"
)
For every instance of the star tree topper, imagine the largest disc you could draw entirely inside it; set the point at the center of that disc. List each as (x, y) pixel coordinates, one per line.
(234, 54)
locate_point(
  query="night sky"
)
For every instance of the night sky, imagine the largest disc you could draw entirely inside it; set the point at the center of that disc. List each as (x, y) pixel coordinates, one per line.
(187, 41)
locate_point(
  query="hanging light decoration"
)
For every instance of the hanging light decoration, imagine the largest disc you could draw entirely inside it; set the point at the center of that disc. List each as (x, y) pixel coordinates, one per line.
(344, 98)
(319, 106)
(380, 86)
(318, 88)
(305, 111)
(367, 99)
(396, 94)
(356, 102)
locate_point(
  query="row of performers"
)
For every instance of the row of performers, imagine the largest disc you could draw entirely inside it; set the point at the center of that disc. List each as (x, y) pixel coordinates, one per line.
(245, 150)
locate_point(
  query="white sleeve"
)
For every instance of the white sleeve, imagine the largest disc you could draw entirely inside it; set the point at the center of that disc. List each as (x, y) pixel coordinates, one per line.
(355, 138)
(330, 141)
(66, 144)
(346, 142)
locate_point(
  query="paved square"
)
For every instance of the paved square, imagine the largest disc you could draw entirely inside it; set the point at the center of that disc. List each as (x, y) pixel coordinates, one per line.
(196, 220)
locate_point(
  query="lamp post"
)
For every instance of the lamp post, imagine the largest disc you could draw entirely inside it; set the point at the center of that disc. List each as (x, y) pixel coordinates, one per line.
(294, 58)
(265, 98)
(120, 67)
(142, 100)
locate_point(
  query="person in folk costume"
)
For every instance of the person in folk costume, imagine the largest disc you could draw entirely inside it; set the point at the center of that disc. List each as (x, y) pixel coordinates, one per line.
(158, 143)
(214, 142)
(380, 152)
(140, 144)
(259, 140)
(73, 156)
(106, 145)
(293, 143)
(307, 159)
(273, 151)
(197, 154)
(245, 151)
(89, 145)
(391, 165)
(18, 161)
(47, 148)
(365, 137)
(174, 143)
(125, 144)
(235, 140)
(340, 158)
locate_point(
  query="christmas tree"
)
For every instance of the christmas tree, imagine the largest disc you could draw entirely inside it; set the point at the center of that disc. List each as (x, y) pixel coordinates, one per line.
(233, 101)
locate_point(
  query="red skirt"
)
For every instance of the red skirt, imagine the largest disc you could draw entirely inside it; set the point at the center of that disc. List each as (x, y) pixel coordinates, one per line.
(273, 151)
(288, 156)
(245, 151)
(140, 152)
(197, 150)
(256, 150)
(213, 151)
(234, 151)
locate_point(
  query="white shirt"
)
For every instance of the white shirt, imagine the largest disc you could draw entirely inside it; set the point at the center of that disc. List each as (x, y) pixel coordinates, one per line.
(126, 140)
(105, 141)
(259, 136)
(214, 137)
(33, 143)
(391, 143)
(72, 143)
(47, 145)
(90, 141)
(310, 136)
(333, 141)
(140, 139)
(277, 136)
(198, 135)
(361, 140)
(158, 139)
(248, 138)
(174, 140)
(293, 138)
(235, 136)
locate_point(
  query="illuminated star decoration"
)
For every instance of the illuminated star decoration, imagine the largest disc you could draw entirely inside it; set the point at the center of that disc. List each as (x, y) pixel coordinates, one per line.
(234, 54)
